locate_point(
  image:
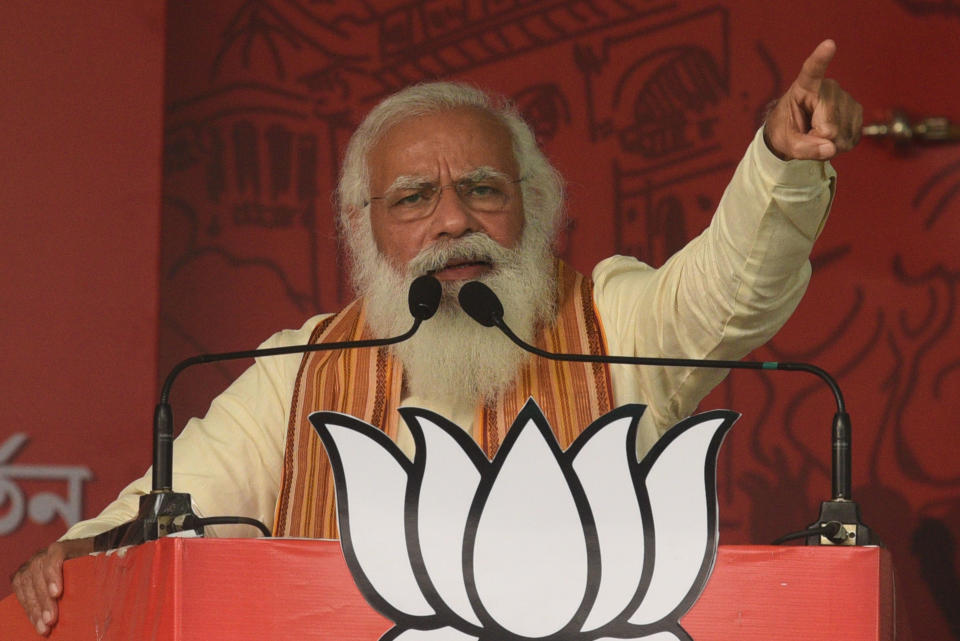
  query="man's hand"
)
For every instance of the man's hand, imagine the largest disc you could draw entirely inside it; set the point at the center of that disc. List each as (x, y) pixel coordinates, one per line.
(815, 119)
(38, 583)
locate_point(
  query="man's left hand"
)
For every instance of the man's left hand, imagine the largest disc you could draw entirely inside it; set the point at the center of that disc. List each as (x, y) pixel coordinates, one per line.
(815, 119)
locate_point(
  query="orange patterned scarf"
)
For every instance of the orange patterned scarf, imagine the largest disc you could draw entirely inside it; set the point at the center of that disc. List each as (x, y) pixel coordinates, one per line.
(367, 383)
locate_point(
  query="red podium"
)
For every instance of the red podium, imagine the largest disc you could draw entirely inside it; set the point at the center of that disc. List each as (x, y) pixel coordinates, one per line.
(239, 589)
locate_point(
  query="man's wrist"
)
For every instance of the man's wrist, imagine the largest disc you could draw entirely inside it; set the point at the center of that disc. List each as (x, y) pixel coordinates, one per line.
(72, 548)
(769, 145)
(794, 173)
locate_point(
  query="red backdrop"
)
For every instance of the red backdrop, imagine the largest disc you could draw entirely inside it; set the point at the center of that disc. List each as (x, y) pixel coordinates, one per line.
(645, 106)
(80, 148)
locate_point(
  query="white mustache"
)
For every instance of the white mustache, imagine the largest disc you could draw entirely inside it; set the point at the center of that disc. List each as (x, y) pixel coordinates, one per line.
(471, 248)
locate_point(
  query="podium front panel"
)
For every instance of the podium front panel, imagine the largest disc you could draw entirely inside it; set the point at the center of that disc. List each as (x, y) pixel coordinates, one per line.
(253, 589)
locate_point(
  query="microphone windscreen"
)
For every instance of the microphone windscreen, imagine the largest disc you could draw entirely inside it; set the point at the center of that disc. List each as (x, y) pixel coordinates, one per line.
(480, 303)
(424, 297)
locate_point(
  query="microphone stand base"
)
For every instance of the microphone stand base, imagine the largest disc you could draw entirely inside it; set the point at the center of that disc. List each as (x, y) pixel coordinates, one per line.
(161, 513)
(852, 531)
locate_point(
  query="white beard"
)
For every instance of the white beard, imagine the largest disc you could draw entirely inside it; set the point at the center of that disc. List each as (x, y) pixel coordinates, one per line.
(452, 357)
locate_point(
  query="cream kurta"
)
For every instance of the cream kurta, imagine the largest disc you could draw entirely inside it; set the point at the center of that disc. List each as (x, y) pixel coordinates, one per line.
(724, 294)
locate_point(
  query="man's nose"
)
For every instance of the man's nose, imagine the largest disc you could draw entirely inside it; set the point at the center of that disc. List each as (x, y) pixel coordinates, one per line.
(452, 217)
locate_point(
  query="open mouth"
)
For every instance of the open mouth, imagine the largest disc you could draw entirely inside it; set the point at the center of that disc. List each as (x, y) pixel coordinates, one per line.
(459, 269)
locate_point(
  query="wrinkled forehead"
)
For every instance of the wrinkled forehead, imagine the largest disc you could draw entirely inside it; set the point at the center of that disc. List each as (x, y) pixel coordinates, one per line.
(442, 145)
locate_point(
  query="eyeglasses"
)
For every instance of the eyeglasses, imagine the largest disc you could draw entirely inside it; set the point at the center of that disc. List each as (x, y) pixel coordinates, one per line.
(486, 194)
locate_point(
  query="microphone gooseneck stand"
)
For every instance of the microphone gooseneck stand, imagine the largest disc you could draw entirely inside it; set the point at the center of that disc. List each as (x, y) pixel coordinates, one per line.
(839, 522)
(163, 512)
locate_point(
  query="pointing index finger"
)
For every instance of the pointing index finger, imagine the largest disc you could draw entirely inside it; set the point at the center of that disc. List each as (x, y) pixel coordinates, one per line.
(815, 66)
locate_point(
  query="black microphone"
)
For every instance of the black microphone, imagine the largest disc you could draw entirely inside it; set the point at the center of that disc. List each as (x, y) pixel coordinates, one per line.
(482, 305)
(163, 511)
(424, 297)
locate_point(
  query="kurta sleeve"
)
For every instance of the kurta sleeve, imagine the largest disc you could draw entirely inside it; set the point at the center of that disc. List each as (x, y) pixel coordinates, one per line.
(229, 461)
(724, 294)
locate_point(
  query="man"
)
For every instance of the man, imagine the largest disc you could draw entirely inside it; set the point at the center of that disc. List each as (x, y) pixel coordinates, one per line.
(439, 180)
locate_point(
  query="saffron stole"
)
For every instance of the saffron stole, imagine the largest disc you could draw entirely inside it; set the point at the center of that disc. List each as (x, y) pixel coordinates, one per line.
(367, 384)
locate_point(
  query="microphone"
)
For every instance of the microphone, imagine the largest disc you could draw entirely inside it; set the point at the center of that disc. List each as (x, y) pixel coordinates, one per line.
(163, 511)
(424, 297)
(482, 305)
(839, 521)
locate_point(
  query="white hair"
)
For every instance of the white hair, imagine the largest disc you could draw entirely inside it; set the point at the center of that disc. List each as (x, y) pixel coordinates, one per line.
(452, 357)
(541, 187)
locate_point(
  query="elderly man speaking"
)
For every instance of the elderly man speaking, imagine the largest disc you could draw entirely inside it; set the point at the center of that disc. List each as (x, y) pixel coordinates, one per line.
(441, 179)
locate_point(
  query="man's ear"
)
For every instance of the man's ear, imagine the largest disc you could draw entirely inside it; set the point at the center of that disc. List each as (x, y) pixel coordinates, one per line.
(354, 227)
(349, 219)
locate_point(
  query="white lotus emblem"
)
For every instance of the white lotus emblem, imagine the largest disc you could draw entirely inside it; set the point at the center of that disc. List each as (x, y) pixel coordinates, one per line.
(539, 543)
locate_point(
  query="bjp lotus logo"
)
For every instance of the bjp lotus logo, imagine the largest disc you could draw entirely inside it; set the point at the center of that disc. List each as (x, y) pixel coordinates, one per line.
(539, 543)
